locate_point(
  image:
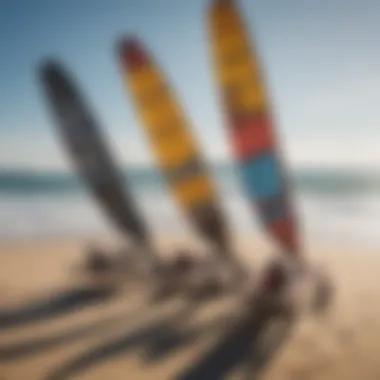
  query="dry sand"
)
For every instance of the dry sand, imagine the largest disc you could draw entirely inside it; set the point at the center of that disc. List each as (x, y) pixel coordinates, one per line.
(115, 337)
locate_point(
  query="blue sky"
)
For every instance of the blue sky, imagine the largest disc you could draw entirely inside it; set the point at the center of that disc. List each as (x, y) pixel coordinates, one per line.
(322, 61)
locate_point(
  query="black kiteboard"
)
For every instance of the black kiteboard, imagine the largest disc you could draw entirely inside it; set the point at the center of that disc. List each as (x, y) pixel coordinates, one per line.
(88, 150)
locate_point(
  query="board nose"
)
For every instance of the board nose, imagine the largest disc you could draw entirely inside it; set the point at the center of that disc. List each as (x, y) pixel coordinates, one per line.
(50, 70)
(131, 52)
(55, 79)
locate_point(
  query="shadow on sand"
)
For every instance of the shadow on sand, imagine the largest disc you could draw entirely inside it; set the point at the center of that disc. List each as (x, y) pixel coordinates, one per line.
(155, 330)
(21, 350)
(246, 344)
(162, 347)
(54, 306)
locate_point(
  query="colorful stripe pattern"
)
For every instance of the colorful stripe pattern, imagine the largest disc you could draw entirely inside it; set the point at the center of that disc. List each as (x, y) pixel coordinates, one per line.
(250, 126)
(173, 145)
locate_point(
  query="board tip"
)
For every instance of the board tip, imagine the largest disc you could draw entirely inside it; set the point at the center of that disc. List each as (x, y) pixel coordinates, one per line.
(216, 4)
(221, 2)
(131, 52)
(55, 78)
(49, 67)
(218, 9)
(52, 75)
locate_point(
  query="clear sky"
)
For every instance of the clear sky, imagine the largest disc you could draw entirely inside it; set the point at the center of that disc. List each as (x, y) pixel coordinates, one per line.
(322, 60)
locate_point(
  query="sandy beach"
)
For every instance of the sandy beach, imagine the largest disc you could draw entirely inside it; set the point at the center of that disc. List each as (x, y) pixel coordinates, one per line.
(77, 332)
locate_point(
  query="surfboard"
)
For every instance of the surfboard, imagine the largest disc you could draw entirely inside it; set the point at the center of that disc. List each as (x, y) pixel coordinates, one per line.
(174, 146)
(88, 150)
(250, 124)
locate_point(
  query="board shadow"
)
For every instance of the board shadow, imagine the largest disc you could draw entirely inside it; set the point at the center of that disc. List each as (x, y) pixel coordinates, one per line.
(159, 349)
(137, 338)
(242, 344)
(21, 350)
(55, 306)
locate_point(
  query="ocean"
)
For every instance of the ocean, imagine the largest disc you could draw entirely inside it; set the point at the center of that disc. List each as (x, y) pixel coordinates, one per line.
(333, 205)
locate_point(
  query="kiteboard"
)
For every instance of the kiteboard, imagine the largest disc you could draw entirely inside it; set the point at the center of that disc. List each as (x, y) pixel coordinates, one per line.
(245, 100)
(250, 123)
(172, 142)
(88, 150)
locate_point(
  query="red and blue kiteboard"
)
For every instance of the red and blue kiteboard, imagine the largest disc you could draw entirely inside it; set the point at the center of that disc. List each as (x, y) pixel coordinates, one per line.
(250, 124)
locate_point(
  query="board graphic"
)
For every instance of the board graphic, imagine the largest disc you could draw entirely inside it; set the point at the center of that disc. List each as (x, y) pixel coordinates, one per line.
(172, 142)
(250, 125)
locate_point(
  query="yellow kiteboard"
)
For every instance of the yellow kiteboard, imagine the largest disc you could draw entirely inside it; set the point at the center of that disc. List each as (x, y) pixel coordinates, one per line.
(173, 144)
